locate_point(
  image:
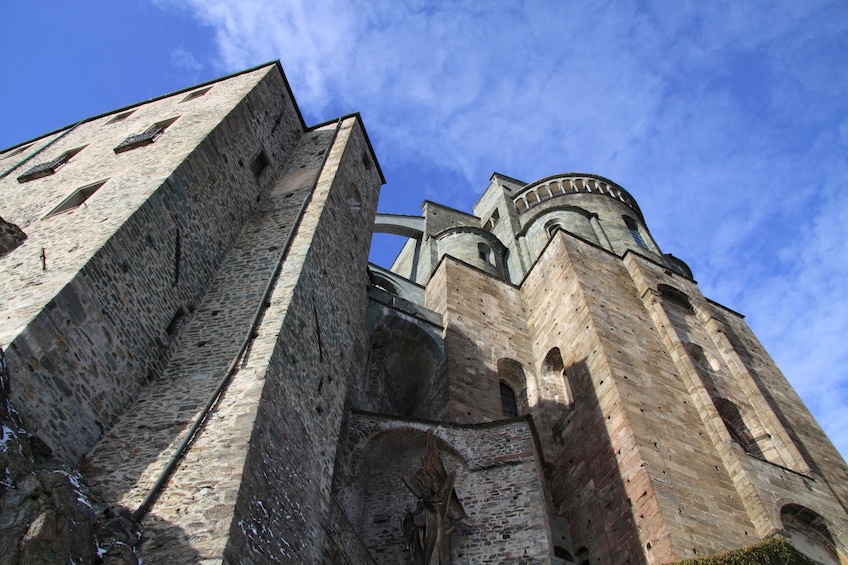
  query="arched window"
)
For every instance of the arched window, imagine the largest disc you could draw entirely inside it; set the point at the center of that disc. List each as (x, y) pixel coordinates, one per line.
(492, 221)
(563, 554)
(511, 375)
(552, 226)
(484, 252)
(739, 431)
(634, 231)
(809, 533)
(556, 380)
(508, 404)
(677, 297)
(354, 199)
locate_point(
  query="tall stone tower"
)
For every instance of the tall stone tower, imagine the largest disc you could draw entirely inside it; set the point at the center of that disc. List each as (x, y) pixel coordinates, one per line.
(663, 431)
(200, 366)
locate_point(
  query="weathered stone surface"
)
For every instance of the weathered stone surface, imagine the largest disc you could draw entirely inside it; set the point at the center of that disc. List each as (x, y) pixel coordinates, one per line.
(588, 404)
(11, 236)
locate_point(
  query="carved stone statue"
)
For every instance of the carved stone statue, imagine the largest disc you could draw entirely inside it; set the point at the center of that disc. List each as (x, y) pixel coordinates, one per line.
(437, 513)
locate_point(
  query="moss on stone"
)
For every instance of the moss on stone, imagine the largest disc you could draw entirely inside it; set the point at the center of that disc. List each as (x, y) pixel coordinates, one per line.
(774, 551)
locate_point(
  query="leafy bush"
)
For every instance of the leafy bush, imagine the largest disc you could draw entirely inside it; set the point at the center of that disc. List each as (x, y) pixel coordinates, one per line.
(774, 551)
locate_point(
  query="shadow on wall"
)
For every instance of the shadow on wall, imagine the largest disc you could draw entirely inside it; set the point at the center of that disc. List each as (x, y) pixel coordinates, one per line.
(584, 480)
(385, 499)
(402, 377)
(592, 516)
(164, 542)
(49, 514)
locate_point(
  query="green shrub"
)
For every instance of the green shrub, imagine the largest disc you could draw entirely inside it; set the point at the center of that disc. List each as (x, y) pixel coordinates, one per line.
(774, 551)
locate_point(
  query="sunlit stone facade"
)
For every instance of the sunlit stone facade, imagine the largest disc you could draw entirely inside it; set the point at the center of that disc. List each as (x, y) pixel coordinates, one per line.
(201, 365)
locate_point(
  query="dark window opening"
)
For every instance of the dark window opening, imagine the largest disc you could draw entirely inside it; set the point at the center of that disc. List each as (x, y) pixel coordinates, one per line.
(18, 151)
(147, 137)
(196, 94)
(552, 227)
(508, 405)
(259, 164)
(120, 117)
(736, 426)
(563, 553)
(177, 321)
(50, 167)
(677, 297)
(484, 252)
(633, 227)
(76, 199)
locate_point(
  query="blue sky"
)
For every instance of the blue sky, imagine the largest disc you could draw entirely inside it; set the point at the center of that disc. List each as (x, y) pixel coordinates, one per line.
(727, 121)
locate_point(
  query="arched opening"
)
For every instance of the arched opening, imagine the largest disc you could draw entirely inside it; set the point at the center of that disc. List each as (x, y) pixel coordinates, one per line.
(509, 407)
(511, 375)
(563, 555)
(383, 282)
(401, 376)
(701, 359)
(379, 497)
(484, 252)
(492, 221)
(552, 226)
(736, 426)
(809, 533)
(354, 199)
(676, 297)
(555, 379)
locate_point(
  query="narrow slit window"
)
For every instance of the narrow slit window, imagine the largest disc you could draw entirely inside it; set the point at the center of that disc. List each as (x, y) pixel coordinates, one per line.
(50, 167)
(146, 137)
(76, 199)
(634, 231)
(196, 94)
(493, 220)
(17, 151)
(508, 404)
(120, 117)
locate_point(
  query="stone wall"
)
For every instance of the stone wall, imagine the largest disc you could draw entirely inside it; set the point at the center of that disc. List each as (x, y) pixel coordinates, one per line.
(311, 345)
(497, 482)
(773, 466)
(122, 270)
(484, 323)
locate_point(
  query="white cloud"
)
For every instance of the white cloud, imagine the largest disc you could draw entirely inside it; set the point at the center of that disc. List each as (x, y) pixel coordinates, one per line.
(185, 60)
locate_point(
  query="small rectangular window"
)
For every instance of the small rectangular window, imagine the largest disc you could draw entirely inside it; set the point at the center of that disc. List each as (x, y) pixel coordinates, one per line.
(17, 151)
(120, 117)
(195, 94)
(50, 167)
(146, 137)
(259, 164)
(76, 198)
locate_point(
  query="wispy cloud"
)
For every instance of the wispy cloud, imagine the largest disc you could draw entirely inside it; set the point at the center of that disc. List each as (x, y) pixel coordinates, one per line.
(726, 120)
(184, 60)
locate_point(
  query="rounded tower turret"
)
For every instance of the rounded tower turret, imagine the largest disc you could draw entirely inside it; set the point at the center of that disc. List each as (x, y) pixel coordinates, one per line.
(588, 206)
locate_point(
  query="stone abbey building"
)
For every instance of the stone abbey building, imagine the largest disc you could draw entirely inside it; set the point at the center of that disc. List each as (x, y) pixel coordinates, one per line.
(200, 365)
